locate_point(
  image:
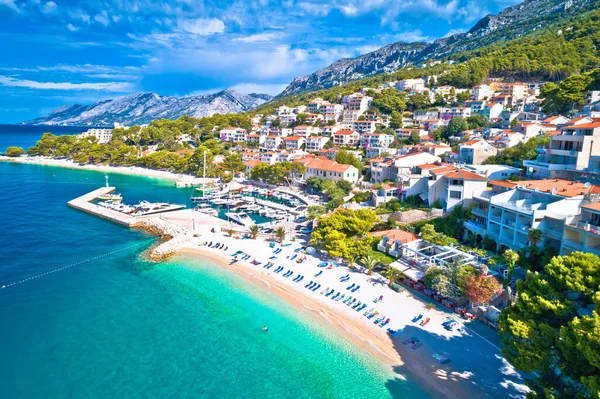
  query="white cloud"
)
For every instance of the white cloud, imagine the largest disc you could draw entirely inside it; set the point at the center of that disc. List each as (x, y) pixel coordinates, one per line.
(320, 10)
(49, 8)
(10, 4)
(202, 27)
(259, 37)
(78, 15)
(119, 87)
(72, 28)
(102, 18)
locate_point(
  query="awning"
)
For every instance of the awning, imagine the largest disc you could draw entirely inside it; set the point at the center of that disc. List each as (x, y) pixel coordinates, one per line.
(410, 272)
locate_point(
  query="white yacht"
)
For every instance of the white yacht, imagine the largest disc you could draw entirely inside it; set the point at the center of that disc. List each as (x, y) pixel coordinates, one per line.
(241, 218)
(207, 209)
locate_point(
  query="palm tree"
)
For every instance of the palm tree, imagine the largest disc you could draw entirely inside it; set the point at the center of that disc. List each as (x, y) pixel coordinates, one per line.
(535, 236)
(253, 230)
(369, 263)
(392, 274)
(280, 232)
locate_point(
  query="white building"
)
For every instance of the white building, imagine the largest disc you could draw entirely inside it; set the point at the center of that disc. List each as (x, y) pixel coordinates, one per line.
(103, 136)
(316, 143)
(357, 102)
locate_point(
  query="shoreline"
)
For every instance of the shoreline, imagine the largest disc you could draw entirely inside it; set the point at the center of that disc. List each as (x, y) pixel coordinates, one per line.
(178, 178)
(478, 375)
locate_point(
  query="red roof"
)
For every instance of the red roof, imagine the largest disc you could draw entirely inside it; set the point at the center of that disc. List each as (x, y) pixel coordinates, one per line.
(252, 163)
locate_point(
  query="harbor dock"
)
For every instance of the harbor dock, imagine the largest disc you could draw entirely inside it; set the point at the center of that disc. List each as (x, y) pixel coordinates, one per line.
(84, 203)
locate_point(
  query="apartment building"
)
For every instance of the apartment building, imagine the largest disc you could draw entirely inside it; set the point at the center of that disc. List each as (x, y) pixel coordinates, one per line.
(480, 92)
(474, 152)
(103, 136)
(255, 139)
(453, 186)
(582, 233)
(346, 137)
(376, 140)
(357, 102)
(317, 166)
(515, 90)
(569, 151)
(293, 142)
(306, 131)
(507, 212)
(315, 105)
(233, 134)
(364, 127)
(272, 142)
(316, 143)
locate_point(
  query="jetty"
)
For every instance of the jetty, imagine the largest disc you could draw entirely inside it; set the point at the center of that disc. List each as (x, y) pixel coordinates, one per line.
(84, 203)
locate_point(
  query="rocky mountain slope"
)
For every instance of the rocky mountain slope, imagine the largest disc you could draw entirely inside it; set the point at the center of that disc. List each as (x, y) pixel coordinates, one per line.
(145, 107)
(512, 23)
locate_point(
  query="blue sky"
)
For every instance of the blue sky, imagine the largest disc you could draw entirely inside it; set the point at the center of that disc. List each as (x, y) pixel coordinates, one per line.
(64, 52)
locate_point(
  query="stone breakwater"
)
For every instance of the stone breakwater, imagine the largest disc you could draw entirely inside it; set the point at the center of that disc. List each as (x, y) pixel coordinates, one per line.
(173, 235)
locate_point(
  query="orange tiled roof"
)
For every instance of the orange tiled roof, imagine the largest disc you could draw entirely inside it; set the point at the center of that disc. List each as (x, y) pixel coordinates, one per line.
(397, 235)
(594, 207)
(564, 188)
(465, 175)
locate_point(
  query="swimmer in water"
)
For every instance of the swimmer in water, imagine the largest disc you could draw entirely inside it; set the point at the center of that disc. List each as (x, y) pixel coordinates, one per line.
(265, 328)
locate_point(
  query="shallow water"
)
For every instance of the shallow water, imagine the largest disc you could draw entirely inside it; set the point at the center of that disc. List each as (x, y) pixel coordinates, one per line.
(117, 326)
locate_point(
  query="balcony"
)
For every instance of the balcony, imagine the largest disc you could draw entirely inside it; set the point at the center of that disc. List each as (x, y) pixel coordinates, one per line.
(381, 247)
(495, 218)
(585, 227)
(527, 209)
(475, 228)
(480, 212)
(575, 246)
(566, 153)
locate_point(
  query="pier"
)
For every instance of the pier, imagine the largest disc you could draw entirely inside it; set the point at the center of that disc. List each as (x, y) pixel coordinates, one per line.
(84, 203)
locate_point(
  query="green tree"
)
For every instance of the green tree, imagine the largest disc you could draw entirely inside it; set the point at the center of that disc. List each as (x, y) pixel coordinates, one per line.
(369, 263)
(551, 331)
(348, 158)
(280, 233)
(253, 231)
(511, 257)
(392, 274)
(456, 126)
(476, 121)
(314, 211)
(535, 236)
(14, 151)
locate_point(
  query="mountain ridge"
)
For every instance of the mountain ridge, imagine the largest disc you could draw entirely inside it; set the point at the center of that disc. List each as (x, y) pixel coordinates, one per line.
(511, 23)
(141, 108)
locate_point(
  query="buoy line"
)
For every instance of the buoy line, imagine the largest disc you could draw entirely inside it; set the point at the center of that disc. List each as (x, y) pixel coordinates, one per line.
(67, 267)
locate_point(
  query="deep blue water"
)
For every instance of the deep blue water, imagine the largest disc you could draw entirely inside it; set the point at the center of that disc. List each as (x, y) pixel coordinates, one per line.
(118, 326)
(25, 136)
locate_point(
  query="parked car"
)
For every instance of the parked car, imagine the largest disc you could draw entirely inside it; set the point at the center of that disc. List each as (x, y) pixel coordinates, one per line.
(306, 230)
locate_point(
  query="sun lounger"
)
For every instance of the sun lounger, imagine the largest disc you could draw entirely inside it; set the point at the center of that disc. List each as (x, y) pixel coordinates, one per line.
(318, 274)
(316, 287)
(336, 295)
(289, 274)
(330, 292)
(325, 290)
(347, 299)
(300, 279)
(309, 284)
(385, 323)
(362, 307)
(419, 317)
(368, 312)
(350, 287)
(294, 257)
(340, 298)
(352, 302)
(356, 288)
(424, 322)
(357, 305)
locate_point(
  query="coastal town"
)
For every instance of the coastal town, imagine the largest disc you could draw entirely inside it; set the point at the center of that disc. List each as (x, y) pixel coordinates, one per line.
(449, 206)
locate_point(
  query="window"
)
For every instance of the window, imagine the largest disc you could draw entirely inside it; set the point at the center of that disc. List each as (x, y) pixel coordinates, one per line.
(455, 194)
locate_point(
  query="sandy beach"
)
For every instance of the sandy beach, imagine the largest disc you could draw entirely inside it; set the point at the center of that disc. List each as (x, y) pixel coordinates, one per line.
(476, 368)
(125, 170)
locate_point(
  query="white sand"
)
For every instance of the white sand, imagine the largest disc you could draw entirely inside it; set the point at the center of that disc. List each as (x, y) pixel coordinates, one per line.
(477, 368)
(132, 170)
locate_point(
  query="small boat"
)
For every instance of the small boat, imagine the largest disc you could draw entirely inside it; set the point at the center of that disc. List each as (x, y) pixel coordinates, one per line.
(241, 218)
(207, 209)
(111, 197)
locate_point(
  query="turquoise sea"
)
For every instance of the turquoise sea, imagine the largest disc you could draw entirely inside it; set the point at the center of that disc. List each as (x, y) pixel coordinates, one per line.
(115, 325)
